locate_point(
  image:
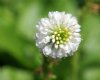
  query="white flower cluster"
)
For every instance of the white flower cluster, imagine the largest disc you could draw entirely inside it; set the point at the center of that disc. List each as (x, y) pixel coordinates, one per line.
(58, 35)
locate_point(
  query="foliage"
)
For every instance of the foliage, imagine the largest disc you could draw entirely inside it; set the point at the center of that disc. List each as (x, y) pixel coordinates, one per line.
(20, 59)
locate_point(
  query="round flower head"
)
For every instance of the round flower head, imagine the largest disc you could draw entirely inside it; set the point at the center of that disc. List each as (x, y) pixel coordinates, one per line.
(58, 35)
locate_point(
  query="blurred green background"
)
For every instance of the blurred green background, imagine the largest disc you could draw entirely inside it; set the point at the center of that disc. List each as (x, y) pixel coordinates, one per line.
(20, 59)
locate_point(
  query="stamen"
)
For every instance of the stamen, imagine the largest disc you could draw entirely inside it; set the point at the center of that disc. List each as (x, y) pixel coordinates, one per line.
(56, 46)
(57, 42)
(60, 35)
(55, 32)
(53, 36)
(57, 38)
(53, 40)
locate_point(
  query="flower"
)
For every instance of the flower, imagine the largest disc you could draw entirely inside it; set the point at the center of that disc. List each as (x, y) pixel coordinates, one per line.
(58, 35)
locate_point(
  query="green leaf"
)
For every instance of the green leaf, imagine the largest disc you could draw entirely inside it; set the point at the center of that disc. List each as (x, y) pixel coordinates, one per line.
(22, 50)
(28, 19)
(6, 18)
(70, 6)
(8, 73)
(91, 38)
(91, 74)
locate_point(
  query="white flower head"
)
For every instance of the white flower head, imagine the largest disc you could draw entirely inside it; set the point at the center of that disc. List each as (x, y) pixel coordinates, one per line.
(58, 35)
